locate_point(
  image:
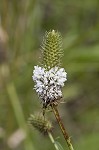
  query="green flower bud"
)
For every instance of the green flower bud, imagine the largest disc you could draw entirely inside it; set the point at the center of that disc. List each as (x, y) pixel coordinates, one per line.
(40, 123)
(51, 49)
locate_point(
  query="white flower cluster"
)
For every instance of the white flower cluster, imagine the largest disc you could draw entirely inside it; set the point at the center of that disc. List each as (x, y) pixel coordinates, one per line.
(48, 84)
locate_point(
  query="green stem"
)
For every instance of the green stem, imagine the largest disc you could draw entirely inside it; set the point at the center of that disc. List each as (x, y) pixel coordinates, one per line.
(53, 141)
(65, 134)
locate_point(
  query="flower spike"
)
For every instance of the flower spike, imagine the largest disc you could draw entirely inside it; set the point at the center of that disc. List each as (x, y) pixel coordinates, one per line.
(49, 79)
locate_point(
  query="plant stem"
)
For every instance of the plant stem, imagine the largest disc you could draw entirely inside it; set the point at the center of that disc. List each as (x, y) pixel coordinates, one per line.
(53, 141)
(65, 134)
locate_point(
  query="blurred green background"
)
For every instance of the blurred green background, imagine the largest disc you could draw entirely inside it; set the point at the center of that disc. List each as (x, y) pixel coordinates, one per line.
(22, 26)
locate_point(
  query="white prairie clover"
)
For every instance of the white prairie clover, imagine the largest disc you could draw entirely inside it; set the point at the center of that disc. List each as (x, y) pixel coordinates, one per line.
(48, 83)
(50, 78)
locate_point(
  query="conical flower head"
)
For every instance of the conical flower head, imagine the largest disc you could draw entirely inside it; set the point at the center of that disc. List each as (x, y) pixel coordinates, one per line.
(51, 49)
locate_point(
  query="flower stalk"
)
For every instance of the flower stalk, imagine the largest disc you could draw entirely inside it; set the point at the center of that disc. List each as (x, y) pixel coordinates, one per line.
(42, 125)
(52, 140)
(64, 132)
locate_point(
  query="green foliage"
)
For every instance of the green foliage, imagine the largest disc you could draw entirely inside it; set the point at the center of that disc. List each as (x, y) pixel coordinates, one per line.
(22, 26)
